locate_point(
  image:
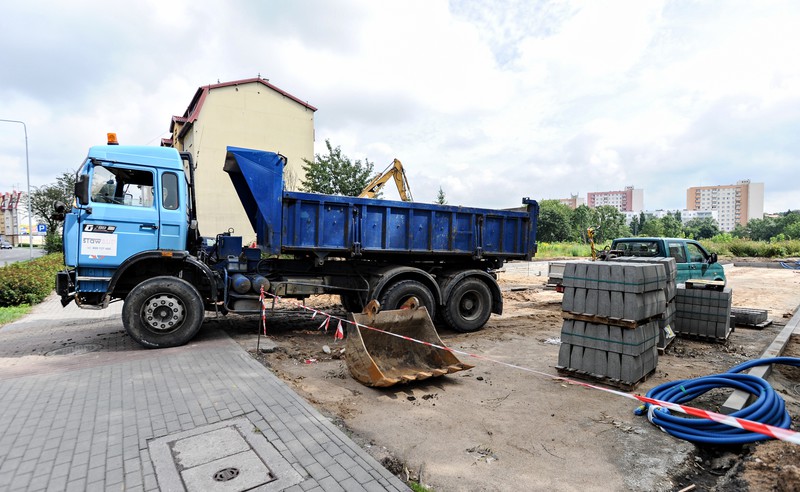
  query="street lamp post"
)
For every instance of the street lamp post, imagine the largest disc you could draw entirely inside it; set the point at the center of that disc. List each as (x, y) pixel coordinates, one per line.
(28, 171)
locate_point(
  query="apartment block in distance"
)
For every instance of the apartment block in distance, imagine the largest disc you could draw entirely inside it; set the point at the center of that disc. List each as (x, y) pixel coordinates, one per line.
(735, 204)
(250, 113)
(628, 200)
(573, 202)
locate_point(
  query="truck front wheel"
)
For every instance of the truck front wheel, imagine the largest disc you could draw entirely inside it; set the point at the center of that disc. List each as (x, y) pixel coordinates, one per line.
(469, 306)
(399, 293)
(163, 312)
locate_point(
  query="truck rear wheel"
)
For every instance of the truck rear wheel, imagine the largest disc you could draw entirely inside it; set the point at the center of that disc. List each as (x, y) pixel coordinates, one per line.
(469, 306)
(163, 312)
(397, 294)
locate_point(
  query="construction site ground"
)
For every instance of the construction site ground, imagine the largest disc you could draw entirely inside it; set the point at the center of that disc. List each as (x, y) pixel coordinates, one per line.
(496, 427)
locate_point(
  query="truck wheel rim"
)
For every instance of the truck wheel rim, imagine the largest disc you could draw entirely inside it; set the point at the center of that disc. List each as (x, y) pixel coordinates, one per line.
(470, 305)
(163, 313)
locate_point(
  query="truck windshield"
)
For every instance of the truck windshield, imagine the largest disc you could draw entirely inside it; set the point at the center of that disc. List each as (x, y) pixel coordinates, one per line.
(122, 186)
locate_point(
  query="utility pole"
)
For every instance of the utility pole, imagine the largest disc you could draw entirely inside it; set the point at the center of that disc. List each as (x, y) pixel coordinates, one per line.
(28, 171)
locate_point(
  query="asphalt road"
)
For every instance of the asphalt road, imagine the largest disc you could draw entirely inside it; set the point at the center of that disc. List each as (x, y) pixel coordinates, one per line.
(18, 254)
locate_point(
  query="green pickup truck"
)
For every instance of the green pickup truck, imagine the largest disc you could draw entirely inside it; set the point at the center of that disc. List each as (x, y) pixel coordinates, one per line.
(692, 259)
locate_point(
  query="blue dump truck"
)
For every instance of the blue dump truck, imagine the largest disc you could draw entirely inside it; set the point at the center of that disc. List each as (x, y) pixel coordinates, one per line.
(133, 235)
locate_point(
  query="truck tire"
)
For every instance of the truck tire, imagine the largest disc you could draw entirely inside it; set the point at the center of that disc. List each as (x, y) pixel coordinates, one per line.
(163, 312)
(398, 293)
(469, 306)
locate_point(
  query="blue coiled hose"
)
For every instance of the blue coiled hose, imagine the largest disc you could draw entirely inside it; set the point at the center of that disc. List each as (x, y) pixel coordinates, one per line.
(768, 408)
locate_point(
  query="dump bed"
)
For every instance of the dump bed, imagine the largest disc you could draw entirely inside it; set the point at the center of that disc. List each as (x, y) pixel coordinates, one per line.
(288, 222)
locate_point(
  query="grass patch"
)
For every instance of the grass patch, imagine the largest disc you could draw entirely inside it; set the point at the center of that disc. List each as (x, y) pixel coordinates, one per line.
(418, 488)
(564, 250)
(745, 248)
(13, 313)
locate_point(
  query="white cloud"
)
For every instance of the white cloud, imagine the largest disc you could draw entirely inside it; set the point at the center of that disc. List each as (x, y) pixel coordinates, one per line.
(491, 101)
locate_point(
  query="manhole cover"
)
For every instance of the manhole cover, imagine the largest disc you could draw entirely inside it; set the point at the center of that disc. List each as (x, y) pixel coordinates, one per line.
(226, 474)
(76, 349)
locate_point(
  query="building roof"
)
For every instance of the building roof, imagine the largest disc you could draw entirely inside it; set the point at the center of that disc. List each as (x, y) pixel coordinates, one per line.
(193, 111)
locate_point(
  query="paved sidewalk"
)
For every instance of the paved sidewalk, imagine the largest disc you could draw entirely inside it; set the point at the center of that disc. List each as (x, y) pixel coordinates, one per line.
(85, 408)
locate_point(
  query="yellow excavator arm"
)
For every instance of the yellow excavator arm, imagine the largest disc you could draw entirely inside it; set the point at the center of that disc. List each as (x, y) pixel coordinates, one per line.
(395, 170)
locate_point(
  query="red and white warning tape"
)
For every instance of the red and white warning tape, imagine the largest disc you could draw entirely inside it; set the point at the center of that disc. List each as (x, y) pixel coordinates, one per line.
(749, 425)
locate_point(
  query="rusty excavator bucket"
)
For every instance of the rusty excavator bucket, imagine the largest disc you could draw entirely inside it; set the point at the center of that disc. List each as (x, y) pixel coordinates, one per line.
(379, 359)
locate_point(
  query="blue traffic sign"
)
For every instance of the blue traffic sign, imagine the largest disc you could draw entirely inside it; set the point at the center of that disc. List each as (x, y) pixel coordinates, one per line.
(41, 228)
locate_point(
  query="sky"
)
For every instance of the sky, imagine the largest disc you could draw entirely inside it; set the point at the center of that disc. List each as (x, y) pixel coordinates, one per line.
(492, 101)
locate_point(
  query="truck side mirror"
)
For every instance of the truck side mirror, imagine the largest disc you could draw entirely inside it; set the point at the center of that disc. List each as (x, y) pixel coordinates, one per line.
(712, 258)
(82, 189)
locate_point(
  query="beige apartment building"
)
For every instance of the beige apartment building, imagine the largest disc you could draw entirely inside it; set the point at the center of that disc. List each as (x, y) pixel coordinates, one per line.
(735, 204)
(250, 113)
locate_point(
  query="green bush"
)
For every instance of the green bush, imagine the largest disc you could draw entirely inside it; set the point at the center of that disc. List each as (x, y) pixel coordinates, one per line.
(53, 243)
(29, 282)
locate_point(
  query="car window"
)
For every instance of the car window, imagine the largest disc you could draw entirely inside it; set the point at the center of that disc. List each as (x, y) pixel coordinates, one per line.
(677, 251)
(695, 253)
(638, 248)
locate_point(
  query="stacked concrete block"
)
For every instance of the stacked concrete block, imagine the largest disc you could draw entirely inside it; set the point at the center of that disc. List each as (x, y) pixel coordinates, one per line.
(703, 313)
(630, 291)
(612, 325)
(667, 323)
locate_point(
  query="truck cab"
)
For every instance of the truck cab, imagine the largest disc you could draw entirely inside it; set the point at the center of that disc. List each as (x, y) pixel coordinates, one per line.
(692, 259)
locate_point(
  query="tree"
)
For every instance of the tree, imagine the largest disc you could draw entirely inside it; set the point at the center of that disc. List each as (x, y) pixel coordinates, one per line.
(583, 218)
(634, 225)
(701, 228)
(335, 174)
(554, 221)
(672, 225)
(653, 228)
(440, 197)
(610, 224)
(42, 199)
(761, 229)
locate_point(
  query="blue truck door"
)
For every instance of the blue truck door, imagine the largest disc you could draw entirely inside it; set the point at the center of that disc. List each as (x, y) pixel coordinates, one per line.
(173, 212)
(123, 219)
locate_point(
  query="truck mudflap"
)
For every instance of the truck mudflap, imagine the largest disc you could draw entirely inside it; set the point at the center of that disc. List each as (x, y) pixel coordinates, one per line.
(379, 359)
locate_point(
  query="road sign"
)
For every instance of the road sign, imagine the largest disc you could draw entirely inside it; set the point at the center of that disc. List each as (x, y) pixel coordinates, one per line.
(41, 228)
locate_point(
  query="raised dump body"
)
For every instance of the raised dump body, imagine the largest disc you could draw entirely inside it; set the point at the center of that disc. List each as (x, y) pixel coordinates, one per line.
(328, 225)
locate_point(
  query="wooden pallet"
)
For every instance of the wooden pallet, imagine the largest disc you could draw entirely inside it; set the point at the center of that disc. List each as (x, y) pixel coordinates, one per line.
(695, 283)
(704, 338)
(604, 380)
(605, 320)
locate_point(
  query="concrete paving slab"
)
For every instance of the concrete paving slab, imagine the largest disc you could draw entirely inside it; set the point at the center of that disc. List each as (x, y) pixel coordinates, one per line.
(91, 419)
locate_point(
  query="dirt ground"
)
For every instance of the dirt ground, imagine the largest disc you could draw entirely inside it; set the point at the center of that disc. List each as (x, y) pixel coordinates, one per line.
(495, 427)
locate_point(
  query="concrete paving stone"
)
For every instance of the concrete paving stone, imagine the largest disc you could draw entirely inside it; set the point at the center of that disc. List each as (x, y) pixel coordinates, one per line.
(360, 473)
(60, 470)
(337, 471)
(20, 482)
(317, 471)
(331, 485)
(114, 477)
(57, 482)
(564, 353)
(96, 474)
(78, 471)
(27, 466)
(351, 485)
(96, 486)
(296, 488)
(150, 482)
(39, 483)
(77, 485)
(308, 485)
